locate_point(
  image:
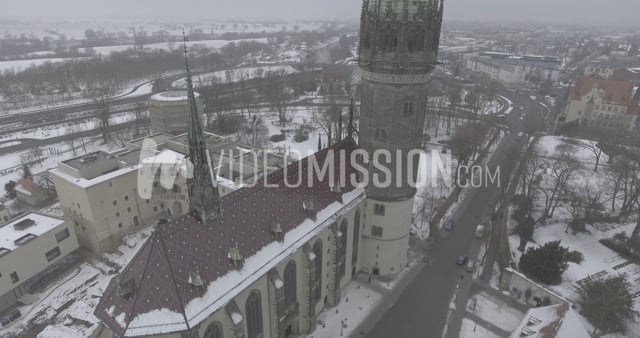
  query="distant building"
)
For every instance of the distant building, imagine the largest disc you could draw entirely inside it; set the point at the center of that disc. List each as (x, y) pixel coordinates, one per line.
(511, 69)
(169, 112)
(602, 103)
(35, 190)
(98, 191)
(606, 66)
(30, 244)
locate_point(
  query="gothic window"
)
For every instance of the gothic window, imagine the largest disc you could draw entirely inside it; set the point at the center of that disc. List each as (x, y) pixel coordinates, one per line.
(356, 235)
(388, 40)
(416, 41)
(317, 289)
(254, 315)
(214, 330)
(290, 286)
(342, 254)
(381, 134)
(408, 108)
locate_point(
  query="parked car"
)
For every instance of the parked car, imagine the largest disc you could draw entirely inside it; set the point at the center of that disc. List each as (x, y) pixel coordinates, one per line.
(470, 266)
(8, 319)
(462, 260)
(480, 231)
(449, 225)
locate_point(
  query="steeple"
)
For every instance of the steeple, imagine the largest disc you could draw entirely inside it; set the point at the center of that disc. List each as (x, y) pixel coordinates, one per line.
(204, 198)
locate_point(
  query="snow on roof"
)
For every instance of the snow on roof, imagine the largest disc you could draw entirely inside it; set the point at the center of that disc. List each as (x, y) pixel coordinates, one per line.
(42, 224)
(174, 96)
(555, 321)
(160, 270)
(87, 183)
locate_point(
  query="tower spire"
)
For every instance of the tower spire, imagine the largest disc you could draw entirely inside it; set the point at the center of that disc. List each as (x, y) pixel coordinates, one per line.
(204, 198)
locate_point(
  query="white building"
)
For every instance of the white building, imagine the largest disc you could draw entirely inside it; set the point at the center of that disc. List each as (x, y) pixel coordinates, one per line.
(169, 111)
(30, 244)
(512, 69)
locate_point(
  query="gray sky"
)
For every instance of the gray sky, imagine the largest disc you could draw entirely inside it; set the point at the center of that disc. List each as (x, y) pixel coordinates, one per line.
(553, 11)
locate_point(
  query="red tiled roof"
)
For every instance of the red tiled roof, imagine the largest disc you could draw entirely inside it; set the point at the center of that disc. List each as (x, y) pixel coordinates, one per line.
(614, 92)
(161, 268)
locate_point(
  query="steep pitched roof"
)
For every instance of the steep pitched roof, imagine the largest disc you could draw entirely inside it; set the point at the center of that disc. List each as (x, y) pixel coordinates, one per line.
(614, 92)
(163, 301)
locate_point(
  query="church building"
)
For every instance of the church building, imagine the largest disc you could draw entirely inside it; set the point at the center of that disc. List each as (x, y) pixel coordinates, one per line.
(264, 261)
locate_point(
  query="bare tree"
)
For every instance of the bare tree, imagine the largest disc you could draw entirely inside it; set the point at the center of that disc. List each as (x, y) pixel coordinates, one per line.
(278, 95)
(593, 147)
(103, 109)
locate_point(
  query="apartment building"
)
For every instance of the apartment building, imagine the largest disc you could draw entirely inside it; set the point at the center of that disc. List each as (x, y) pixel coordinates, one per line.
(30, 244)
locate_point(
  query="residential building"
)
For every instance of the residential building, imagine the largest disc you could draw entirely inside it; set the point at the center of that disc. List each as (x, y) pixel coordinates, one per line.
(264, 261)
(29, 244)
(605, 67)
(36, 189)
(602, 103)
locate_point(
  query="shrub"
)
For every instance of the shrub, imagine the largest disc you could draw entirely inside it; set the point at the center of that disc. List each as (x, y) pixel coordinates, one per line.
(277, 138)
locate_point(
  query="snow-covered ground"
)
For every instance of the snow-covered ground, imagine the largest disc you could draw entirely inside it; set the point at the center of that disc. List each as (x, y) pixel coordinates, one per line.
(234, 75)
(598, 259)
(471, 329)
(83, 286)
(20, 65)
(494, 311)
(356, 303)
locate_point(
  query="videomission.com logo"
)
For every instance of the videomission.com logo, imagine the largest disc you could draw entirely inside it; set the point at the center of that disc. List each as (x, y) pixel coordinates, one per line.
(433, 169)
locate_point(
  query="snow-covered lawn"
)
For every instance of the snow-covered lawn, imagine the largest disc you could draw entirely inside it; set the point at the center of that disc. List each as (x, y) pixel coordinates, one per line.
(356, 303)
(234, 75)
(470, 329)
(598, 259)
(20, 65)
(494, 311)
(83, 286)
(106, 50)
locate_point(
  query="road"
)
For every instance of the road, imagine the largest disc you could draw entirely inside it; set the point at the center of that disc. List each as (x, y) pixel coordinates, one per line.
(422, 309)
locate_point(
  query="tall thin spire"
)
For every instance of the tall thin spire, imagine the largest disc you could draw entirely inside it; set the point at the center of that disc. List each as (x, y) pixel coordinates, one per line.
(204, 198)
(350, 125)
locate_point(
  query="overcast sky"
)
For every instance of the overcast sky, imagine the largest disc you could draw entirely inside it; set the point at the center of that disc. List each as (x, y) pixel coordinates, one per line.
(551, 11)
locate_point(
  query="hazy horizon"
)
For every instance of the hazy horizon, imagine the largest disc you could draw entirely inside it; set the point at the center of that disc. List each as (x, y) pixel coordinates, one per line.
(584, 12)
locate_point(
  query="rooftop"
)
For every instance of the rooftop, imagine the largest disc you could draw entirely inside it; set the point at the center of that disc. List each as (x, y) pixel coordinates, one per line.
(162, 299)
(612, 91)
(20, 227)
(556, 321)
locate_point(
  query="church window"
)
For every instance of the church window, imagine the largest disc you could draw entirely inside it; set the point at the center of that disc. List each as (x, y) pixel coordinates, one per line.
(356, 239)
(254, 315)
(378, 209)
(317, 287)
(376, 231)
(290, 287)
(381, 134)
(214, 330)
(342, 253)
(408, 107)
(416, 41)
(388, 40)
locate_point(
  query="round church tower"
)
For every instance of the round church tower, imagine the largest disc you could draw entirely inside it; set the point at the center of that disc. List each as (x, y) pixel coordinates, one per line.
(399, 42)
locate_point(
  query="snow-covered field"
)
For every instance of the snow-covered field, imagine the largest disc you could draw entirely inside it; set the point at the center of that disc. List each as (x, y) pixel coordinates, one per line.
(234, 75)
(20, 65)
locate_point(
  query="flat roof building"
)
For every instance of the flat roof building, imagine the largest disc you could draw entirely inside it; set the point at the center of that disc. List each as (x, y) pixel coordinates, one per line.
(30, 244)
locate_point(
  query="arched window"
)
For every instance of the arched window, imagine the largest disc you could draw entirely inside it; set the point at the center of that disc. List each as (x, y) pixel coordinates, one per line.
(388, 40)
(356, 238)
(408, 108)
(317, 288)
(214, 330)
(416, 41)
(290, 287)
(254, 315)
(342, 254)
